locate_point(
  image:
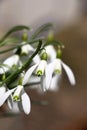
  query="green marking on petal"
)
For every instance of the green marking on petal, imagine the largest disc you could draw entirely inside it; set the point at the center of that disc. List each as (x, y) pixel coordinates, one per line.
(39, 73)
(16, 98)
(57, 71)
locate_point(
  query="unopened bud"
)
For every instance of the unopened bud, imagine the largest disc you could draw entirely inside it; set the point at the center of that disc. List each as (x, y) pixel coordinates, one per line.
(44, 56)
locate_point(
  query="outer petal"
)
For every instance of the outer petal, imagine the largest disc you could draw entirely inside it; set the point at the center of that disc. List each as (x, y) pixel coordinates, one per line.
(26, 104)
(36, 59)
(13, 106)
(49, 73)
(51, 52)
(43, 83)
(55, 82)
(69, 73)
(2, 90)
(5, 96)
(10, 102)
(42, 66)
(29, 73)
(27, 49)
(13, 60)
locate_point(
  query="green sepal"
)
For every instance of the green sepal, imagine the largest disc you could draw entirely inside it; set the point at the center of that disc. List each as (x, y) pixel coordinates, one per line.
(44, 56)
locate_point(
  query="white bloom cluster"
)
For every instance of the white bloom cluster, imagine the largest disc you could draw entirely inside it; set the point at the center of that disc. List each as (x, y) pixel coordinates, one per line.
(48, 67)
(49, 70)
(34, 61)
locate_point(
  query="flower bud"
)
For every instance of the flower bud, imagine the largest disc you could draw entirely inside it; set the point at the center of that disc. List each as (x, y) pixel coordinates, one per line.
(44, 56)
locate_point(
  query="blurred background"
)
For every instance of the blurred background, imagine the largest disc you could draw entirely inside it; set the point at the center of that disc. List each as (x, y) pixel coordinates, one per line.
(67, 108)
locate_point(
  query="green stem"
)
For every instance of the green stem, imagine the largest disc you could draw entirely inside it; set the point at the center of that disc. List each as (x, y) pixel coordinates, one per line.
(12, 48)
(14, 75)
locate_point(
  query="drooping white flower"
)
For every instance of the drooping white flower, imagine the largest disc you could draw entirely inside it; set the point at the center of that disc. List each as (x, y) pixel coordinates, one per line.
(26, 49)
(55, 68)
(14, 100)
(38, 69)
(5, 96)
(8, 63)
(21, 96)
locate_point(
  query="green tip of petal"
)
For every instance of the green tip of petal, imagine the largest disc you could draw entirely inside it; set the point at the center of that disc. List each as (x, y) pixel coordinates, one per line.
(57, 71)
(16, 98)
(39, 73)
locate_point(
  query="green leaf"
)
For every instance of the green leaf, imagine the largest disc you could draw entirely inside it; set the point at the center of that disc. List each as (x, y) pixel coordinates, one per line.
(41, 29)
(14, 29)
(54, 43)
(9, 41)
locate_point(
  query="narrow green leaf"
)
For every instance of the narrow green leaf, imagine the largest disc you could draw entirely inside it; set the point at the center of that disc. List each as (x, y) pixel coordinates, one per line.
(54, 43)
(14, 29)
(41, 29)
(9, 41)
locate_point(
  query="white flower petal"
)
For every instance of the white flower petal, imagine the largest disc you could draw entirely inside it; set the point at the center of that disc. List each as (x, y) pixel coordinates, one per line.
(2, 70)
(43, 83)
(5, 96)
(51, 52)
(27, 49)
(10, 102)
(36, 59)
(49, 72)
(55, 82)
(69, 73)
(13, 60)
(42, 66)
(26, 104)
(13, 106)
(58, 67)
(29, 73)
(2, 90)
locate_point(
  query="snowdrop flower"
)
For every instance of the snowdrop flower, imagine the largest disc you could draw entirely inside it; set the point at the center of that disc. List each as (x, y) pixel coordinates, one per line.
(9, 62)
(55, 68)
(38, 69)
(19, 97)
(28, 50)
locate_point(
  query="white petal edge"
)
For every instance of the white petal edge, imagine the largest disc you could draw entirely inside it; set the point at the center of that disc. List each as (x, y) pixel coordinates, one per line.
(55, 82)
(10, 103)
(51, 52)
(69, 73)
(5, 96)
(36, 59)
(49, 71)
(29, 73)
(2, 90)
(12, 60)
(43, 83)
(26, 104)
